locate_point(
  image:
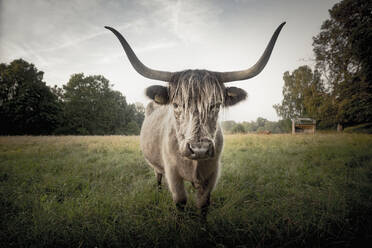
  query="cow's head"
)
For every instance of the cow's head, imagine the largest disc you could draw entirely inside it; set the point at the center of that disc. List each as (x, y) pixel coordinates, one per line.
(195, 97)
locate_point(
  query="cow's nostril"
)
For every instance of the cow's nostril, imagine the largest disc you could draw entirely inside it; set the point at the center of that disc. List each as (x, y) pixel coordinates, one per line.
(190, 149)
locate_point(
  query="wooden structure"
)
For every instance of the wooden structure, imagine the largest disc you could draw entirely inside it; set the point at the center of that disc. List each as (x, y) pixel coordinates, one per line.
(303, 125)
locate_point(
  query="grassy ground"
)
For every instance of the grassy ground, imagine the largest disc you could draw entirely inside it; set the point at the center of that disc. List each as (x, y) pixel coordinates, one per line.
(274, 191)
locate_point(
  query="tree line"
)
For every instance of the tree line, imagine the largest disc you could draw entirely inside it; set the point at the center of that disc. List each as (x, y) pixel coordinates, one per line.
(86, 105)
(261, 125)
(338, 90)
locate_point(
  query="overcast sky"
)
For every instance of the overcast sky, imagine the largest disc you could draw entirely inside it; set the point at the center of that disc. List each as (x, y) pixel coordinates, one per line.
(66, 37)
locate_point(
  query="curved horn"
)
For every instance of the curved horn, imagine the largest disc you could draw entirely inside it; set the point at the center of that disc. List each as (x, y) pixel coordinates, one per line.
(137, 64)
(257, 68)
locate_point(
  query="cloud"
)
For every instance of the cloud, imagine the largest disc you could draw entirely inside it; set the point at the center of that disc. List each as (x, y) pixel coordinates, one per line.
(186, 21)
(56, 25)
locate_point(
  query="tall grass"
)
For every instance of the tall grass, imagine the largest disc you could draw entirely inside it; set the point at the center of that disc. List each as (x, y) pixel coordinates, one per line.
(274, 191)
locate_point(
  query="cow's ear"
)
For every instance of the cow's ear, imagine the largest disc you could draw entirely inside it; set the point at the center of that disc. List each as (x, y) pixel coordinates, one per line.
(158, 93)
(233, 95)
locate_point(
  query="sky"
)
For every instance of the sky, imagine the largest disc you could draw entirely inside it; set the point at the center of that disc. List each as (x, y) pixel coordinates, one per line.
(65, 37)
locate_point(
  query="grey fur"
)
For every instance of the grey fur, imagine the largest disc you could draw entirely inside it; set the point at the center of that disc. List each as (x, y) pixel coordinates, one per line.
(168, 129)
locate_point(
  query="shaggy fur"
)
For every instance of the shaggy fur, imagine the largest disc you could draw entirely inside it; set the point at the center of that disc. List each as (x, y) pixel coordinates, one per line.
(189, 116)
(196, 90)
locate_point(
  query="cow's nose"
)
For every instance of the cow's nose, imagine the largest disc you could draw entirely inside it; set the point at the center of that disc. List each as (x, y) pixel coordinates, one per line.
(200, 150)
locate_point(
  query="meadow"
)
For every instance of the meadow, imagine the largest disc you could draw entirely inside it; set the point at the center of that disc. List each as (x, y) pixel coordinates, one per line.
(274, 191)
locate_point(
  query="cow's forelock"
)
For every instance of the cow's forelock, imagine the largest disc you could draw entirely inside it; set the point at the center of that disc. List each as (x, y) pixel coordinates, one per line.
(196, 96)
(196, 91)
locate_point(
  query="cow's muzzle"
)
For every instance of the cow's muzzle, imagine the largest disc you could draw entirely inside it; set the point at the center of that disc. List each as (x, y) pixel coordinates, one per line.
(200, 150)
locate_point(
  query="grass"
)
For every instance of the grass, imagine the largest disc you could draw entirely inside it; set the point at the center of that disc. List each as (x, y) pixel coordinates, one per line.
(274, 191)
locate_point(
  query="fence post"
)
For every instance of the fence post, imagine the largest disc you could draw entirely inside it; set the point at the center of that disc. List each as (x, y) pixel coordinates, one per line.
(314, 126)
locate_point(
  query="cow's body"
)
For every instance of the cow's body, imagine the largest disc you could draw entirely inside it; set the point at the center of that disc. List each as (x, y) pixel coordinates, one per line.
(161, 149)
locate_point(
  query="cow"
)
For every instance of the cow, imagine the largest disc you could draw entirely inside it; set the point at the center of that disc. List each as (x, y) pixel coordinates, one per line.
(180, 137)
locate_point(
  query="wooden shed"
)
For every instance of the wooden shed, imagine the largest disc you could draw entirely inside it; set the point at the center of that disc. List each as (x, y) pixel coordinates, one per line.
(303, 125)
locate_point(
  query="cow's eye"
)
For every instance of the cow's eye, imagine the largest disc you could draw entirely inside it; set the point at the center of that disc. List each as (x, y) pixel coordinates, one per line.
(215, 106)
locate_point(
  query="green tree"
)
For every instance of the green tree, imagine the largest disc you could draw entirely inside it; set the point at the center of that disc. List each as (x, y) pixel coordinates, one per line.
(238, 128)
(228, 126)
(261, 122)
(132, 128)
(92, 107)
(303, 94)
(285, 125)
(343, 53)
(250, 127)
(27, 104)
(270, 126)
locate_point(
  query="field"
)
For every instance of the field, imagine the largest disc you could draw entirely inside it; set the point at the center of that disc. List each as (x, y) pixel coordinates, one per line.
(274, 191)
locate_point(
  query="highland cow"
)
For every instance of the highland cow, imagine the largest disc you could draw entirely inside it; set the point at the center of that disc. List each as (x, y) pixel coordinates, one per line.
(180, 137)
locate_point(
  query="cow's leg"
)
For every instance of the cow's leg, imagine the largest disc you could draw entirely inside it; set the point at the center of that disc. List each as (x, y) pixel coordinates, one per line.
(204, 194)
(158, 173)
(159, 176)
(177, 188)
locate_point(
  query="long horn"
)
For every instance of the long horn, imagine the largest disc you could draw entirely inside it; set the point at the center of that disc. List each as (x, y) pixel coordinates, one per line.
(257, 68)
(137, 64)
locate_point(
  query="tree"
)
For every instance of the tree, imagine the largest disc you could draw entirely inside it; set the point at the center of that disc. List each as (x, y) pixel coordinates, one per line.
(132, 128)
(261, 124)
(27, 105)
(238, 128)
(285, 126)
(343, 54)
(227, 126)
(261, 121)
(303, 94)
(92, 107)
(250, 127)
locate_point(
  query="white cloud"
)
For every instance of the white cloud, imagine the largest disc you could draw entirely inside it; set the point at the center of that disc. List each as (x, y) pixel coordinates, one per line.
(183, 19)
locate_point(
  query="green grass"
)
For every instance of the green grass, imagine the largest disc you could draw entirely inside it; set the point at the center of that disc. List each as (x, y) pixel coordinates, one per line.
(274, 191)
